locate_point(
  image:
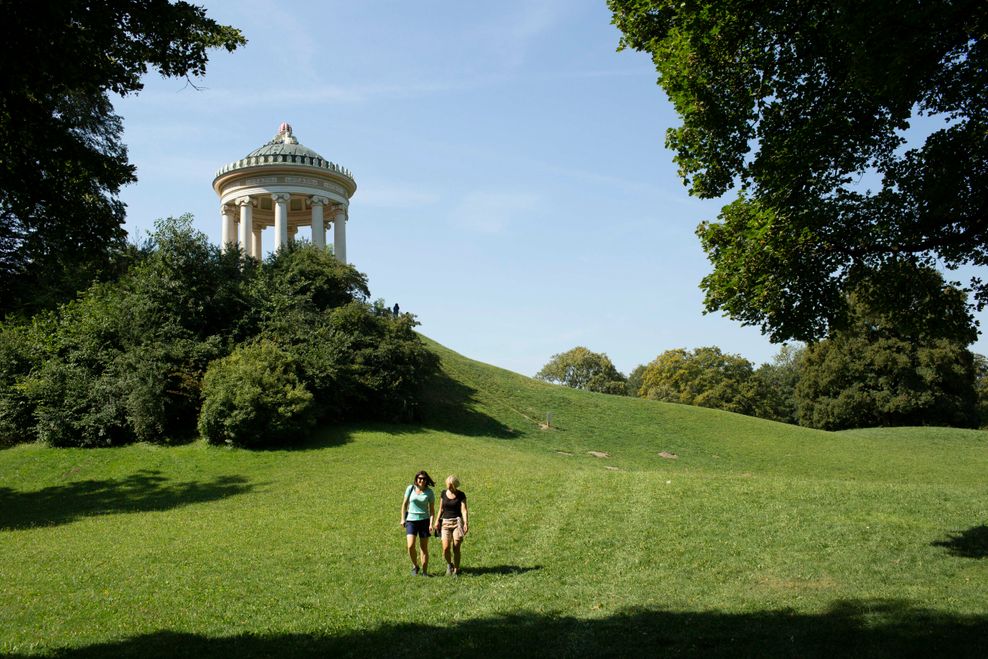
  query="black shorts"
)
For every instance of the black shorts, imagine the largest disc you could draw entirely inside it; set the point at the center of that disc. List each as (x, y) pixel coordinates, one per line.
(419, 527)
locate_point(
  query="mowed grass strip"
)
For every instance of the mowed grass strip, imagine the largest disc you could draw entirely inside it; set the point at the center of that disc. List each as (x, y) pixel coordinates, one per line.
(757, 538)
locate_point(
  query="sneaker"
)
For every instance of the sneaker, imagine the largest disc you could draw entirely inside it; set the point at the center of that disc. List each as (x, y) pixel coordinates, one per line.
(456, 573)
(449, 569)
(415, 571)
(423, 573)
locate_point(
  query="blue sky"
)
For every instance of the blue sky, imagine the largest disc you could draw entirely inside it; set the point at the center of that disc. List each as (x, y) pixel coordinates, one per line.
(513, 188)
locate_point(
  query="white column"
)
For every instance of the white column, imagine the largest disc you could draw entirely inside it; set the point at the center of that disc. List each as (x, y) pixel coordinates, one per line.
(339, 234)
(318, 228)
(246, 230)
(280, 219)
(255, 245)
(229, 228)
(292, 232)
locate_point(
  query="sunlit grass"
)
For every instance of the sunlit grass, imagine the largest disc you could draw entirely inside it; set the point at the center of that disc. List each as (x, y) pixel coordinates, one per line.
(756, 538)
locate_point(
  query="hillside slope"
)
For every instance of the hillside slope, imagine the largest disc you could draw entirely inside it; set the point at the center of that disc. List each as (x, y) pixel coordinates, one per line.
(757, 539)
(478, 399)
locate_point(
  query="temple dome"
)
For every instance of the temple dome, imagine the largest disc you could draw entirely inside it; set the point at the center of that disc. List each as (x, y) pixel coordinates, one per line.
(285, 150)
(284, 143)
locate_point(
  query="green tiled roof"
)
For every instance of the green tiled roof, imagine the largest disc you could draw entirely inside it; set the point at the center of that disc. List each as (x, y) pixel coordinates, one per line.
(284, 149)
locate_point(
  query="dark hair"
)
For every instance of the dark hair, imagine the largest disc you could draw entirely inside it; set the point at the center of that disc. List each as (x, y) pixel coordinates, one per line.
(428, 479)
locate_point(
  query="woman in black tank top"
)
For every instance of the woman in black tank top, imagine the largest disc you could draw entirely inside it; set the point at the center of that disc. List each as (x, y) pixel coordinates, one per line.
(452, 518)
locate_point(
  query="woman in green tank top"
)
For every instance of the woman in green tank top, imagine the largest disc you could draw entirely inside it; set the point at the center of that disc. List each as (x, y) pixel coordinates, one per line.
(417, 509)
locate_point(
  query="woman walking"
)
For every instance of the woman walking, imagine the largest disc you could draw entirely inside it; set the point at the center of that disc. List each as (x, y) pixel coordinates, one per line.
(453, 517)
(417, 508)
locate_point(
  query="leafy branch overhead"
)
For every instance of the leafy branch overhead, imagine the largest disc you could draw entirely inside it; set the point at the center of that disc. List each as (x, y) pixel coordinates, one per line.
(803, 107)
(62, 161)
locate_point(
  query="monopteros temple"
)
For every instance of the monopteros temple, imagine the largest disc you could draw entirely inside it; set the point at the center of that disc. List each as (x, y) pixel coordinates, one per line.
(283, 185)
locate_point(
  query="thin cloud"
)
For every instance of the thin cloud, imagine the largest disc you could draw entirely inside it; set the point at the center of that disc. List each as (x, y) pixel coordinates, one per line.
(490, 212)
(395, 195)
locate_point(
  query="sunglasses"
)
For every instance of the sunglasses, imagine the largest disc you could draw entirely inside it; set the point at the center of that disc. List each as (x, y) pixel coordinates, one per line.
(419, 478)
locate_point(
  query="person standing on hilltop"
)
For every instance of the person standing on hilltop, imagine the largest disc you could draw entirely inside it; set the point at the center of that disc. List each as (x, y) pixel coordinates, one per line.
(453, 517)
(417, 509)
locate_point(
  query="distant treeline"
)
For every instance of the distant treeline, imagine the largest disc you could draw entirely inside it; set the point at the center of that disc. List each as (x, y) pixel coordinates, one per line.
(856, 379)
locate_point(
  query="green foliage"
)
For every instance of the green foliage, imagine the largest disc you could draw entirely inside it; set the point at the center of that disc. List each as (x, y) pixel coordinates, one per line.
(301, 277)
(253, 397)
(896, 362)
(72, 406)
(765, 273)
(861, 382)
(186, 286)
(773, 386)
(21, 345)
(981, 388)
(705, 377)
(796, 103)
(125, 361)
(635, 379)
(62, 163)
(582, 369)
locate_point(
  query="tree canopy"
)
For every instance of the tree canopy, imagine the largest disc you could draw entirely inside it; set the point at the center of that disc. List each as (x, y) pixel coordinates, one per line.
(581, 368)
(192, 338)
(803, 105)
(705, 377)
(900, 361)
(62, 162)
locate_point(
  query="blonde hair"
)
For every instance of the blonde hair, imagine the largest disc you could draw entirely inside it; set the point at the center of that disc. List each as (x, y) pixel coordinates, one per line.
(454, 480)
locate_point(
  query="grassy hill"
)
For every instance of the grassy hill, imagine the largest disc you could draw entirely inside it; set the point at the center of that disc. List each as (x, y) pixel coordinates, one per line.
(626, 527)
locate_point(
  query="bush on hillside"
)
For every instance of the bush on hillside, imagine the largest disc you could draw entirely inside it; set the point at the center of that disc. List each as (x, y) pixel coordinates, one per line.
(19, 346)
(253, 398)
(72, 407)
(125, 361)
(581, 368)
(359, 361)
(302, 277)
(705, 377)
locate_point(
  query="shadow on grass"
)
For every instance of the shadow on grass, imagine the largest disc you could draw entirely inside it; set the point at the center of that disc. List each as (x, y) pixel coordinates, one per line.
(972, 543)
(500, 569)
(447, 406)
(451, 406)
(849, 628)
(143, 491)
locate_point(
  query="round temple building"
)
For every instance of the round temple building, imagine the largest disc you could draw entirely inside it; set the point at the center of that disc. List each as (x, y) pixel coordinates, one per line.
(283, 185)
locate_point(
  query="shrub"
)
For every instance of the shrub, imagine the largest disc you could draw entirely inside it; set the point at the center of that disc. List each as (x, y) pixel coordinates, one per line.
(74, 408)
(387, 363)
(253, 397)
(306, 278)
(17, 348)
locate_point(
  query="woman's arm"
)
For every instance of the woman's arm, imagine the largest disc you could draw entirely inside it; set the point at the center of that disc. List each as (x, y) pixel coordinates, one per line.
(432, 513)
(404, 511)
(463, 507)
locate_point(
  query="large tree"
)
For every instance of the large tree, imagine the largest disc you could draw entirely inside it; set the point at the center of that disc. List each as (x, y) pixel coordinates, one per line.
(899, 361)
(705, 377)
(803, 105)
(62, 161)
(581, 368)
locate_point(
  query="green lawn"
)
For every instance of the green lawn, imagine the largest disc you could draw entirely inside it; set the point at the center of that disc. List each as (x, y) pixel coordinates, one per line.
(756, 539)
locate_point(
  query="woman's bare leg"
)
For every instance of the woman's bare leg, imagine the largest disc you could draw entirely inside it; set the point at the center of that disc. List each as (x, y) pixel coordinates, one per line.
(410, 539)
(424, 544)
